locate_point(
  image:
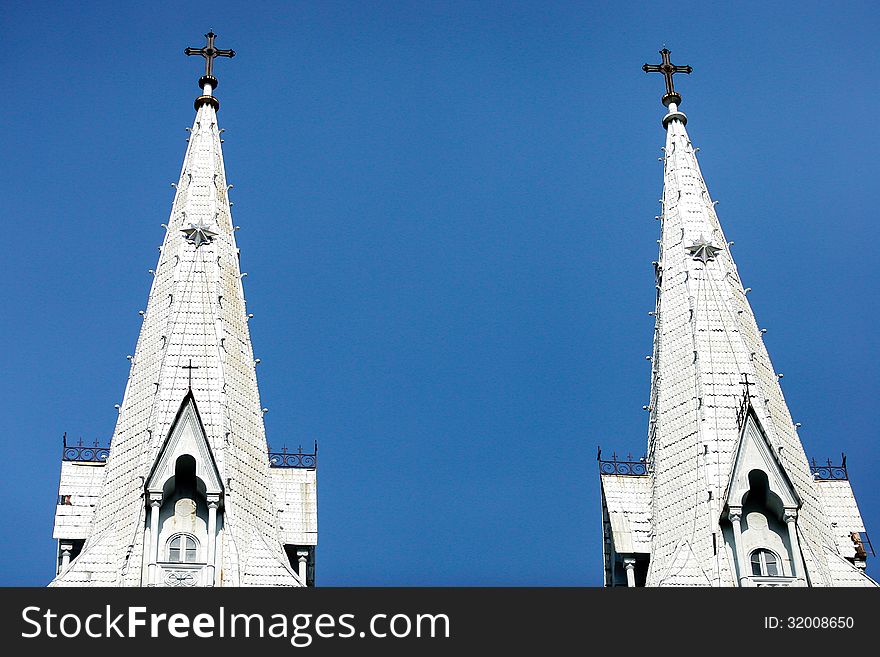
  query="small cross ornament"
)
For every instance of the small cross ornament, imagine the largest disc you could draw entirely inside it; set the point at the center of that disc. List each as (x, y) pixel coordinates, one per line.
(189, 370)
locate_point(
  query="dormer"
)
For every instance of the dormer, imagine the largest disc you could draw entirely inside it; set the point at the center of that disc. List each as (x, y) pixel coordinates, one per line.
(185, 494)
(760, 511)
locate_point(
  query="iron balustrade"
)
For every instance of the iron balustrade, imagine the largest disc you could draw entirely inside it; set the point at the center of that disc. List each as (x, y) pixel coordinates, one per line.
(830, 471)
(629, 467)
(298, 459)
(96, 453)
(84, 453)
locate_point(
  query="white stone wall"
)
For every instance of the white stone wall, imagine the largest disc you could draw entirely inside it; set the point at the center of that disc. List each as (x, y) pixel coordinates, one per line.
(80, 484)
(842, 512)
(296, 497)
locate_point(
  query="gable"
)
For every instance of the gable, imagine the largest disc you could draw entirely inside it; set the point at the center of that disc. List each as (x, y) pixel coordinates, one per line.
(186, 437)
(755, 453)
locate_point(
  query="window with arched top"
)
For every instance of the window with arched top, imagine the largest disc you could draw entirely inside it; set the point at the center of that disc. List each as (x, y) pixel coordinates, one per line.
(183, 548)
(765, 563)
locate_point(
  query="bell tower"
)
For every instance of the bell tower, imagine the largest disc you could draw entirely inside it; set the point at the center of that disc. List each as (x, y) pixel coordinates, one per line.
(725, 495)
(188, 494)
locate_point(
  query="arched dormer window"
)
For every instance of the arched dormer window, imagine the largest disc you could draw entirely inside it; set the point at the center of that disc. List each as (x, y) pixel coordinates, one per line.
(183, 548)
(765, 563)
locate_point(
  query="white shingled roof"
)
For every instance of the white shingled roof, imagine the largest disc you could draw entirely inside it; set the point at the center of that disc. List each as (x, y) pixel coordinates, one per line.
(706, 339)
(78, 495)
(195, 315)
(843, 573)
(842, 513)
(628, 504)
(297, 505)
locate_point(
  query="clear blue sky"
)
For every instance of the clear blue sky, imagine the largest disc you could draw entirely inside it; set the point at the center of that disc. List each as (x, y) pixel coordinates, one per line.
(447, 217)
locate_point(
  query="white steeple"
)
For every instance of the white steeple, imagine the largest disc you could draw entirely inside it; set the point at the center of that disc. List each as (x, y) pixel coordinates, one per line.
(193, 360)
(715, 395)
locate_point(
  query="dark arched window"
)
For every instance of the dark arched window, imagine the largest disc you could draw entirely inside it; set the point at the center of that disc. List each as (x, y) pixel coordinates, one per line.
(183, 548)
(765, 563)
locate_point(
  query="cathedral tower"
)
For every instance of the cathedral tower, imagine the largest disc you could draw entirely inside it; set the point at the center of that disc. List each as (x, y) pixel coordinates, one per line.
(725, 495)
(187, 493)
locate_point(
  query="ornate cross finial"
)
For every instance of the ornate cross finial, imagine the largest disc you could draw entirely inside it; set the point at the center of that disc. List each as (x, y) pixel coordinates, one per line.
(209, 52)
(668, 69)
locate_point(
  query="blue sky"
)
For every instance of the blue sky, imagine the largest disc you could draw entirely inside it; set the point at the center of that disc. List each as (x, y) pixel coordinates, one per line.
(447, 220)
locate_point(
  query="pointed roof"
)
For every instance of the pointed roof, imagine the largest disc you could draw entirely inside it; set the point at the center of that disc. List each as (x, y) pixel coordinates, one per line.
(755, 451)
(706, 338)
(194, 341)
(186, 436)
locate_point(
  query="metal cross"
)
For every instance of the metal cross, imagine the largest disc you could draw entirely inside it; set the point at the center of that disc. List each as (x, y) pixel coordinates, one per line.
(746, 384)
(668, 69)
(209, 52)
(189, 369)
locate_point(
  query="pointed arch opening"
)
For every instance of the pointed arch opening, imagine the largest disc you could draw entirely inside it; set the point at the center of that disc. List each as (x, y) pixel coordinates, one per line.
(759, 536)
(183, 516)
(759, 497)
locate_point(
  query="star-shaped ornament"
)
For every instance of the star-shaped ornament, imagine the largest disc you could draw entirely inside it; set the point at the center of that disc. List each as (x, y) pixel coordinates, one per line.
(199, 234)
(703, 250)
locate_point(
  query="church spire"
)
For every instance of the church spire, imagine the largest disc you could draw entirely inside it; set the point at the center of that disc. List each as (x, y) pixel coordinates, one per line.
(706, 343)
(191, 394)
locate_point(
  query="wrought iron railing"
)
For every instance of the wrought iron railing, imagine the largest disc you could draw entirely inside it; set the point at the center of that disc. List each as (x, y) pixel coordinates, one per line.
(87, 453)
(297, 459)
(630, 467)
(96, 453)
(830, 471)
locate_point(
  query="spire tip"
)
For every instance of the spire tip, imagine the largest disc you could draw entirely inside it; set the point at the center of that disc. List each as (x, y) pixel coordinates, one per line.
(671, 99)
(208, 82)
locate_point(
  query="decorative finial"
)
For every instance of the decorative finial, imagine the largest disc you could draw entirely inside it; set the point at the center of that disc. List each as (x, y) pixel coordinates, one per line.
(208, 82)
(668, 69)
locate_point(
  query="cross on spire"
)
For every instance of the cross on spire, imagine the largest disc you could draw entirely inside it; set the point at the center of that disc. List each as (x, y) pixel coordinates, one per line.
(746, 384)
(209, 52)
(189, 370)
(746, 402)
(668, 69)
